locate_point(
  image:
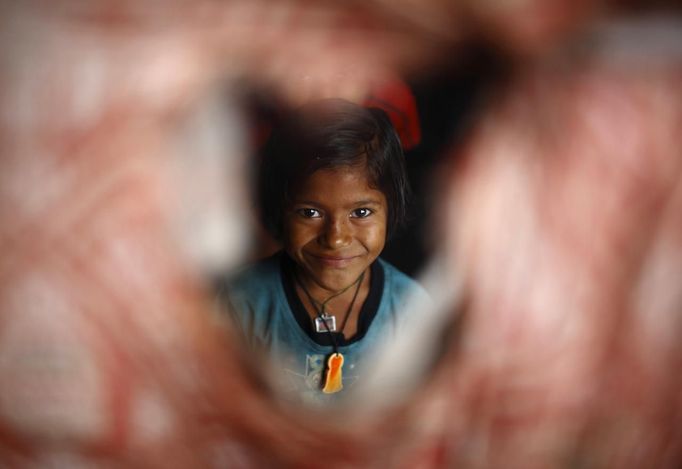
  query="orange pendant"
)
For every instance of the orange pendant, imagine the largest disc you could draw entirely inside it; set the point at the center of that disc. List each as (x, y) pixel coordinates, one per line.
(332, 382)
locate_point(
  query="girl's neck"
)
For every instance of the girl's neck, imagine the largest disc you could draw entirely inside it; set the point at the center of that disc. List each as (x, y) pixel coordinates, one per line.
(321, 293)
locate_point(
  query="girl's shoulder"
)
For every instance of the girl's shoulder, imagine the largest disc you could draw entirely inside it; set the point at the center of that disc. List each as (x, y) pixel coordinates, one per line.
(252, 282)
(399, 282)
(260, 271)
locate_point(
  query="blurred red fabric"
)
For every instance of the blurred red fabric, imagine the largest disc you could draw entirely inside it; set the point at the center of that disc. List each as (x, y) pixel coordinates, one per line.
(560, 219)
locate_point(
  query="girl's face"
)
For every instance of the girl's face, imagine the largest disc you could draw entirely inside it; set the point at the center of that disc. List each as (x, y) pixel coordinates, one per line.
(335, 227)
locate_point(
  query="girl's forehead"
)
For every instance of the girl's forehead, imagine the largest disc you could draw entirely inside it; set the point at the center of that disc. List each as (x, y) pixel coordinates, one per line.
(344, 182)
(356, 176)
(360, 169)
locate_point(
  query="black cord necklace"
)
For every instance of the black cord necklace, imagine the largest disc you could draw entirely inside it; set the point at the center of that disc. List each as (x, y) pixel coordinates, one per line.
(333, 377)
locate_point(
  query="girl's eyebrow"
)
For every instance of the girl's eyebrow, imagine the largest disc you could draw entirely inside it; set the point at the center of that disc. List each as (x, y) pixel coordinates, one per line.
(367, 202)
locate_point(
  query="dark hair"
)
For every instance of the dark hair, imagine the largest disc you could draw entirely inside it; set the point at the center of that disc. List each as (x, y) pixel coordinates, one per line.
(329, 134)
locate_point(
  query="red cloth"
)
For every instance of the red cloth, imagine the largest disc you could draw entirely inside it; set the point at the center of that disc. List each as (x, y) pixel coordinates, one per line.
(396, 98)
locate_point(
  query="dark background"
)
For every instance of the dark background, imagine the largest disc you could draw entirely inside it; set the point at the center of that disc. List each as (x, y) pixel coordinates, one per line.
(446, 104)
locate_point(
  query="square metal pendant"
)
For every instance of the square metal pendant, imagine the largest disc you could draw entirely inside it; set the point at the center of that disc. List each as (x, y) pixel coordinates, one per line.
(320, 324)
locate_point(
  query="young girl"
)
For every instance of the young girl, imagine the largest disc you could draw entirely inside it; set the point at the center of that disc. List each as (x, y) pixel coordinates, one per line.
(332, 188)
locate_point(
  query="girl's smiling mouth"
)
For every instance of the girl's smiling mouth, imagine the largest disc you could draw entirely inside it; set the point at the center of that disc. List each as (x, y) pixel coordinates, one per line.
(333, 261)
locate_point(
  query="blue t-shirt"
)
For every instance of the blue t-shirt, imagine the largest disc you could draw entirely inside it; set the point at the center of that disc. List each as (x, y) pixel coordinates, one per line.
(272, 319)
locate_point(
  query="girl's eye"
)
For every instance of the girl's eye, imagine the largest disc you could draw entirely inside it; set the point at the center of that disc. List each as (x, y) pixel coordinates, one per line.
(361, 213)
(309, 213)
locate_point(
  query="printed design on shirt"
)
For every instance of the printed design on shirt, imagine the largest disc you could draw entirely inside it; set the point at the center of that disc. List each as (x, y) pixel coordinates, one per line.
(314, 367)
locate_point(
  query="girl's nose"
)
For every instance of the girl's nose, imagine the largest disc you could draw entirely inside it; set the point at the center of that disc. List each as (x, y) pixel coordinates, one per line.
(337, 234)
